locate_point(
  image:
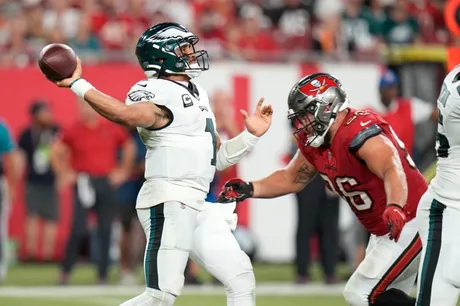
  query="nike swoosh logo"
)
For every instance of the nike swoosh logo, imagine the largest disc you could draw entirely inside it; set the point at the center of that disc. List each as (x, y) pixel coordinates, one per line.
(400, 213)
(365, 123)
(143, 85)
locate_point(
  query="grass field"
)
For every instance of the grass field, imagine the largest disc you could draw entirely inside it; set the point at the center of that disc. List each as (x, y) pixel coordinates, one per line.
(35, 285)
(192, 300)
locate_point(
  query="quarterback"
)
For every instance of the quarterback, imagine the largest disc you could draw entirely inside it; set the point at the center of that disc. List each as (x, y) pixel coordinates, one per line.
(359, 157)
(438, 215)
(176, 124)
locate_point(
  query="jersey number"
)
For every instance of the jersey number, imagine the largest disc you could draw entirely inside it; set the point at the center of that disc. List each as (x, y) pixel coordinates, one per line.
(442, 146)
(210, 129)
(403, 147)
(359, 199)
(444, 95)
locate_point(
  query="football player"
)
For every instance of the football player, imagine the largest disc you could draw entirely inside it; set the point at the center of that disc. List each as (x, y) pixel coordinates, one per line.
(438, 215)
(359, 157)
(175, 122)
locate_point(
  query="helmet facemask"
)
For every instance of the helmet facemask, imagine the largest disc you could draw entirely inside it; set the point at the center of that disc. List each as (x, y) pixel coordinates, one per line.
(193, 62)
(313, 122)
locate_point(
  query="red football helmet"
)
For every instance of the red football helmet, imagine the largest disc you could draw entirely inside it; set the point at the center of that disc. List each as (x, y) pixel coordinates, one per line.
(313, 106)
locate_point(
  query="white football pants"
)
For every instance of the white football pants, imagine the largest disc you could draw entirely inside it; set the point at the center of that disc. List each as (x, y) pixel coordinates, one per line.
(439, 272)
(387, 265)
(174, 231)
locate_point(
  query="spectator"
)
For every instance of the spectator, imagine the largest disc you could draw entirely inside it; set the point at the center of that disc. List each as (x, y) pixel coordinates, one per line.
(400, 28)
(402, 113)
(131, 231)
(317, 213)
(293, 23)
(9, 174)
(60, 15)
(40, 194)
(359, 28)
(112, 32)
(92, 145)
(327, 38)
(36, 36)
(85, 41)
(13, 29)
(430, 17)
(249, 41)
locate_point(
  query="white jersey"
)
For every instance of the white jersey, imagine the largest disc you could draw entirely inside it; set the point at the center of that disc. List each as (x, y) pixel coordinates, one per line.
(446, 183)
(181, 157)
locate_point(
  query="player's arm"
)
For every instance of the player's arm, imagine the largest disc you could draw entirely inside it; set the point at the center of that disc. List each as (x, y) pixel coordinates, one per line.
(141, 114)
(230, 152)
(293, 178)
(233, 150)
(382, 158)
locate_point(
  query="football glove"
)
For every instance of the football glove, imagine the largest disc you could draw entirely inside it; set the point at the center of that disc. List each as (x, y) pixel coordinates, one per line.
(395, 218)
(235, 190)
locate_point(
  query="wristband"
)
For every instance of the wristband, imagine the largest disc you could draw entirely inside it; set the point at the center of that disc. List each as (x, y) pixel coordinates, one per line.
(80, 87)
(251, 188)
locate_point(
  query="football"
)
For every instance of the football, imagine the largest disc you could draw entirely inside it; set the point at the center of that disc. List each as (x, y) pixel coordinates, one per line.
(57, 61)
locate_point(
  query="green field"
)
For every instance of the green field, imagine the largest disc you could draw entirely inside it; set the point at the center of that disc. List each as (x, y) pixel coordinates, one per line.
(35, 285)
(25, 286)
(181, 301)
(47, 275)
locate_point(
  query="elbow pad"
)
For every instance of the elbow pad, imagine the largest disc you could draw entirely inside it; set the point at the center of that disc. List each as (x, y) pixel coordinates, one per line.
(233, 150)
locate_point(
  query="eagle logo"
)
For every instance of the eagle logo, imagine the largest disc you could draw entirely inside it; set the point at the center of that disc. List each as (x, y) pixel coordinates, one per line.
(141, 95)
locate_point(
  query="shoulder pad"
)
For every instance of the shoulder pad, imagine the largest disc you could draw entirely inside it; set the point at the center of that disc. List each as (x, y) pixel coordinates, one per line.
(144, 91)
(363, 135)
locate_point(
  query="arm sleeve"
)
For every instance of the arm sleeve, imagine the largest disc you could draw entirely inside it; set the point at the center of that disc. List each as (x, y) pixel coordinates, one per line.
(233, 150)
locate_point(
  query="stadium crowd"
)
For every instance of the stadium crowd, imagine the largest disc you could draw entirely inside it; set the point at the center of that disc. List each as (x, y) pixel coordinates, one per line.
(239, 29)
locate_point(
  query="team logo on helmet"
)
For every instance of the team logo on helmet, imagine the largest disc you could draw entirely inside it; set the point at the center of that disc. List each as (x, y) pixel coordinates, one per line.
(318, 85)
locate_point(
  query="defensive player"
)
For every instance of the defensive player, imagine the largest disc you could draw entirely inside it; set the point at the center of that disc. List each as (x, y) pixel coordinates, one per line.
(176, 124)
(359, 157)
(438, 215)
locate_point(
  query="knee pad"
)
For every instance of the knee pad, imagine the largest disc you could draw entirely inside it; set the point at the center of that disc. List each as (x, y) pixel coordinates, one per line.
(151, 297)
(241, 287)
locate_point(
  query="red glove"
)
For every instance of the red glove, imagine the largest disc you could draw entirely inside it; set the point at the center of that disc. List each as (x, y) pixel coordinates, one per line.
(395, 218)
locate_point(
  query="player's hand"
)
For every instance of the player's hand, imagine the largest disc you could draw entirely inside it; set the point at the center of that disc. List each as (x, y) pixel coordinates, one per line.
(260, 121)
(75, 76)
(395, 218)
(235, 190)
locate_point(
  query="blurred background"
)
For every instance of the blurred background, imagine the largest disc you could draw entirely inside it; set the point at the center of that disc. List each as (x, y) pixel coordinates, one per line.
(391, 56)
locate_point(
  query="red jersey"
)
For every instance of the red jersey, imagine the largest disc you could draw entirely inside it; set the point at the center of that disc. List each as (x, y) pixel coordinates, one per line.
(344, 172)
